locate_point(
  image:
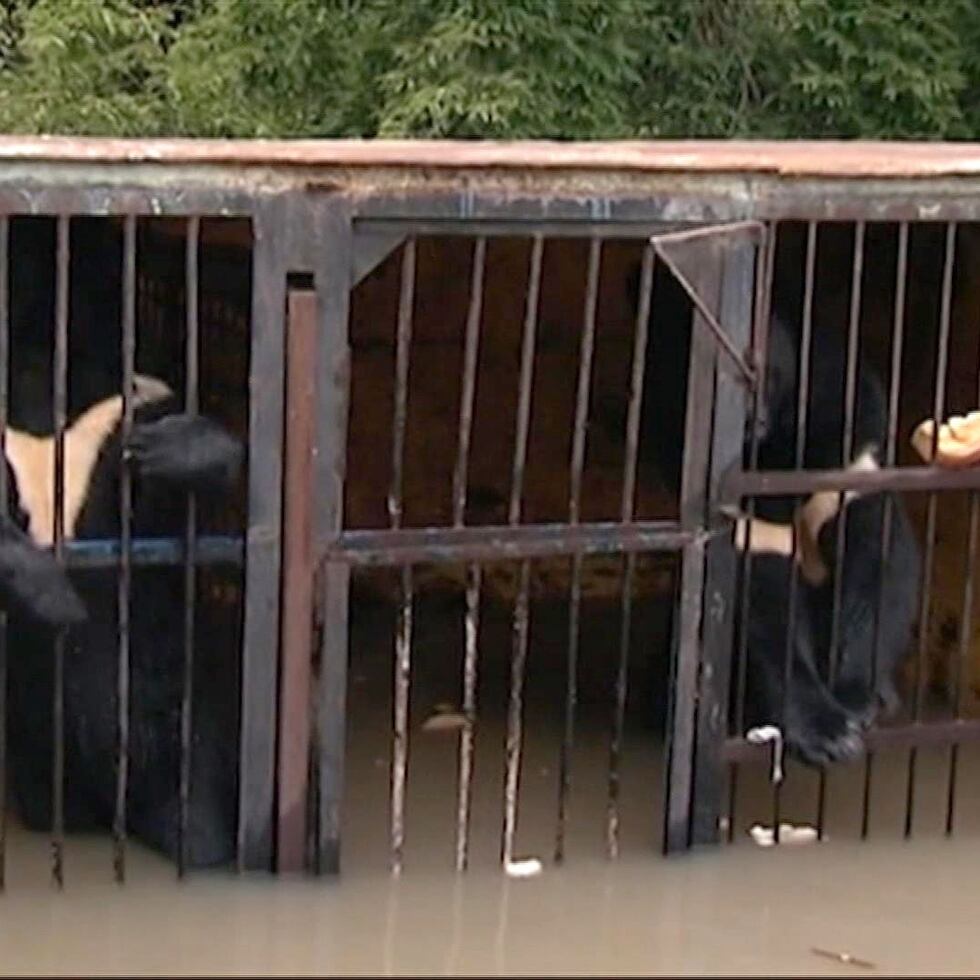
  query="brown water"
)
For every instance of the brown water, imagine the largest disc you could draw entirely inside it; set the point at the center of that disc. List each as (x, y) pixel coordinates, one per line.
(905, 906)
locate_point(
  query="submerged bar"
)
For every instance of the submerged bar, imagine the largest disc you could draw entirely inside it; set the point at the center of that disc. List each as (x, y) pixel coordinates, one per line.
(125, 548)
(522, 601)
(760, 343)
(627, 506)
(582, 392)
(847, 448)
(939, 402)
(191, 404)
(891, 444)
(403, 634)
(60, 405)
(4, 401)
(802, 406)
(471, 350)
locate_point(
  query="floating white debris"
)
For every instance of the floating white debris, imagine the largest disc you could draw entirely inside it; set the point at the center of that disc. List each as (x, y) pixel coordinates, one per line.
(444, 721)
(524, 868)
(788, 834)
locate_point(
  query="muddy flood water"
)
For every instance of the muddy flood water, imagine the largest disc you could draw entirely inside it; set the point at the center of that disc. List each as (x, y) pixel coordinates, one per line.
(894, 906)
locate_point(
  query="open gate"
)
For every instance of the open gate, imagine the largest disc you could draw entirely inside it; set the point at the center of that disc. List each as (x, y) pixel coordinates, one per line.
(718, 266)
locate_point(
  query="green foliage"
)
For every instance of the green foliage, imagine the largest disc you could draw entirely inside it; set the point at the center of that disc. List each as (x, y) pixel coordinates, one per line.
(492, 68)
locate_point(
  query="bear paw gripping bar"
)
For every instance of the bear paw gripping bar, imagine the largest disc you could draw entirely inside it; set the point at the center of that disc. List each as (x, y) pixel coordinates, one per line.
(958, 444)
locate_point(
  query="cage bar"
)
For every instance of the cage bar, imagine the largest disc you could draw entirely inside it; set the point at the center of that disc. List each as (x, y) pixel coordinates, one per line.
(583, 387)
(403, 635)
(60, 406)
(939, 401)
(191, 405)
(472, 624)
(627, 507)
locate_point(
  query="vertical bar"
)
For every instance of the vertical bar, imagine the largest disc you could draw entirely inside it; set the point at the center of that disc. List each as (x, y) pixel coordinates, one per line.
(471, 349)
(467, 396)
(465, 785)
(966, 621)
(333, 281)
(721, 572)
(802, 406)
(60, 403)
(939, 401)
(627, 506)
(891, 443)
(297, 588)
(763, 286)
(125, 548)
(686, 651)
(4, 398)
(522, 603)
(966, 624)
(331, 714)
(403, 637)
(847, 449)
(574, 507)
(191, 405)
(515, 713)
(257, 759)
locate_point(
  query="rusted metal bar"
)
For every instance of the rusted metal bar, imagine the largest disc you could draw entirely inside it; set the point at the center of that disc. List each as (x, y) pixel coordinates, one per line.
(125, 549)
(4, 404)
(332, 713)
(891, 446)
(60, 404)
(579, 431)
(470, 666)
(472, 624)
(191, 406)
(626, 513)
(847, 448)
(960, 671)
(145, 552)
(403, 634)
(802, 406)
(746, 371)
(525, 381)
(518, 227)
(938, 406)
(721, 571)
(515, 714)
(903, 479)
(297, 589)
(760, 343)
(413, 545)
(257, 755)
(686, 653)
(522, 602)
(399, 760)
(334, 274)
(963, 653)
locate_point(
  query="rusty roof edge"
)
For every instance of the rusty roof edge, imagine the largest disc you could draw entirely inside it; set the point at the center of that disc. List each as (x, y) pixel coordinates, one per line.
(804, 158)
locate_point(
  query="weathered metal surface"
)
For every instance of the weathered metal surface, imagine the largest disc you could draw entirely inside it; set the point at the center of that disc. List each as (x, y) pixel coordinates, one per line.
(332, 267)
(295, 669)
(128, 341)
(728, 434)
(852, 158)
(263, 544)
(412, 545)
(191, 406)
